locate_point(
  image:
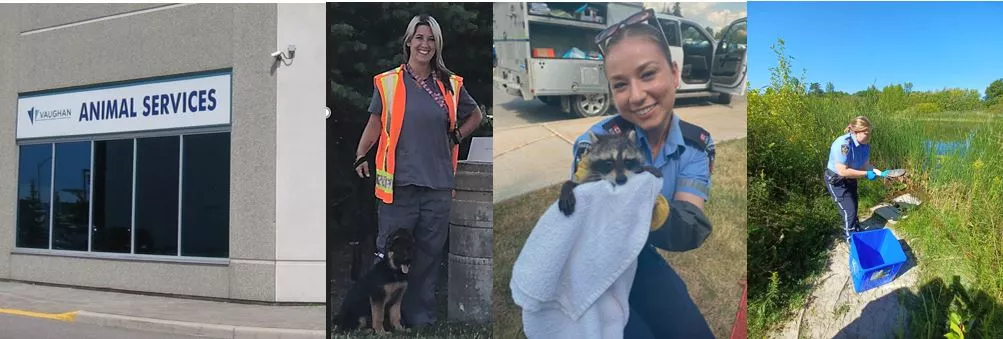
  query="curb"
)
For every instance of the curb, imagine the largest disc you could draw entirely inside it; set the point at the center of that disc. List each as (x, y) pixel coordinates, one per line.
(192, 328)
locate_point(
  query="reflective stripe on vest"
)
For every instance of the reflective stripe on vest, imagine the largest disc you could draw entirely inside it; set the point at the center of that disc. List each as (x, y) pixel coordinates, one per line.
(390, 86)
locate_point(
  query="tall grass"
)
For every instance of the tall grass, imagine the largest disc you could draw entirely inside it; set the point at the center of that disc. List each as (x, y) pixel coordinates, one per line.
(792, 220)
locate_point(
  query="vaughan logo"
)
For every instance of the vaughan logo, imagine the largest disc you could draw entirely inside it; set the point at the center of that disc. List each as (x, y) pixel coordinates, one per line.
(36, 115)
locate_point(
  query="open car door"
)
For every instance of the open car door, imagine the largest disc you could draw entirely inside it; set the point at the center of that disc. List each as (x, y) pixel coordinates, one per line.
(730, 64)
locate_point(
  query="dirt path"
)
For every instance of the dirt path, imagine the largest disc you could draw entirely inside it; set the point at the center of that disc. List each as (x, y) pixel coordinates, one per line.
(834, 310)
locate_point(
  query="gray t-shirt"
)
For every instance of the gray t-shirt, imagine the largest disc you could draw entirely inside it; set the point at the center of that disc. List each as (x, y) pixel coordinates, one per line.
(423, 151)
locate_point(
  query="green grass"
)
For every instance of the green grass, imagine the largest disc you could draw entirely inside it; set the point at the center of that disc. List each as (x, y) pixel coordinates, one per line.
(956, 235)
(440, 330)
(712, 272)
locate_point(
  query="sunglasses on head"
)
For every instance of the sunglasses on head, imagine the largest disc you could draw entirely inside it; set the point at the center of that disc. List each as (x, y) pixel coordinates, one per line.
(646, 16)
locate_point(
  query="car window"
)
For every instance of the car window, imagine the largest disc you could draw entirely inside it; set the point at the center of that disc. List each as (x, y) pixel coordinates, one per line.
(735, 38)
(671, 29)
(693, 37)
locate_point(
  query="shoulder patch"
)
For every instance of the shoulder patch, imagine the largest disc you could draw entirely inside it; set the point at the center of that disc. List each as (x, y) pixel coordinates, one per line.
(694, 135)
(617, 125)
(845, 149)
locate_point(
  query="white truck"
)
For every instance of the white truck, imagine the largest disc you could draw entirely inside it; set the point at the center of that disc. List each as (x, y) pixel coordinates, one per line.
(545, 50)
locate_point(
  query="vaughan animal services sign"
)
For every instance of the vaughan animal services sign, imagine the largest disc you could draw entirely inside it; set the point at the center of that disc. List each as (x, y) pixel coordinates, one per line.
(180, 102)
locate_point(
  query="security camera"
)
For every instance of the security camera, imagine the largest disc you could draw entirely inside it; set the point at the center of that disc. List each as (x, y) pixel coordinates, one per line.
(277, 54)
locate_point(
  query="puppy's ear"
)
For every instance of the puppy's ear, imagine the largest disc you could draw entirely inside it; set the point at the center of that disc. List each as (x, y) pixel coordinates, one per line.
(399, 233)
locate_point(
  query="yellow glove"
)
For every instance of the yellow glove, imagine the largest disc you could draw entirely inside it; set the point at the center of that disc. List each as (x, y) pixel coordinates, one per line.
(659, 214)
(582, 170)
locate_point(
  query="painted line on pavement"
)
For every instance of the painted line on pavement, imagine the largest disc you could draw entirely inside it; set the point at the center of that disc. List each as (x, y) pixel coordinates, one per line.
(68, 316)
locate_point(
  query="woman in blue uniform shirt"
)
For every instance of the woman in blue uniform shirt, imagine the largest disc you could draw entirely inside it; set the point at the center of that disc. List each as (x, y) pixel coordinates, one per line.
(643, 80)
(848, 161)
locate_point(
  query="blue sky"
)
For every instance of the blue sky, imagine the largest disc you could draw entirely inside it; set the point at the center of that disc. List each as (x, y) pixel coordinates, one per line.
(854, 44)
(713, 14)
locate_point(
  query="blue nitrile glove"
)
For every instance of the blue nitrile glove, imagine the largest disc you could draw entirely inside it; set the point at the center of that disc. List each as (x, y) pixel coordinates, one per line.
(884, 174)
(871, 175)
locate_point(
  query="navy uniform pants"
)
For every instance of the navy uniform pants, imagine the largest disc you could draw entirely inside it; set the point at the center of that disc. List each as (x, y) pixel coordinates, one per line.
(844, 193)
(424, 212)
(660, 306)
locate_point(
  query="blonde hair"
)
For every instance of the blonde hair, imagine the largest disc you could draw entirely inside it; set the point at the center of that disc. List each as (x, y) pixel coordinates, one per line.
(439, 69)
(858, 124)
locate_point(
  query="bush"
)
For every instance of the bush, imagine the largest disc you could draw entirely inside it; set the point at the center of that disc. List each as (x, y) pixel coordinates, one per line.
(926, 108)
(792, 219)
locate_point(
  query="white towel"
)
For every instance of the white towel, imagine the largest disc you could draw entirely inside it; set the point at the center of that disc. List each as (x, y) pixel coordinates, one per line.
(573, 276)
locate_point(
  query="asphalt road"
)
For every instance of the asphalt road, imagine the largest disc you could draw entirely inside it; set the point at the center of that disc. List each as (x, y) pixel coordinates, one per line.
(21, 327)
(512, 111)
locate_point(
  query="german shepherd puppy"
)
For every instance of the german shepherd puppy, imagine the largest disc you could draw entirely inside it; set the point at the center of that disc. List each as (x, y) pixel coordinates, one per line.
(381, 288)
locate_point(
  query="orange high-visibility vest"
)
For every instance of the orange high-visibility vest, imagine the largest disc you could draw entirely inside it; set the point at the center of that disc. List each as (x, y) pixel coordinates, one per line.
(390, 85)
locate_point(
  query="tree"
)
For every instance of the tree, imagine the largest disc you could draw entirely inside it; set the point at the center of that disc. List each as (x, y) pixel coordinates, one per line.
(364, 39)
(710, 30)
(893, 98)
(676, 11)
(994, 92)
(907, 87)
(829, 88)
(815, 89)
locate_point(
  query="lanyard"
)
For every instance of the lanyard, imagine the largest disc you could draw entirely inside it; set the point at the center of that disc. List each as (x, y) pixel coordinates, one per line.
(439, 99)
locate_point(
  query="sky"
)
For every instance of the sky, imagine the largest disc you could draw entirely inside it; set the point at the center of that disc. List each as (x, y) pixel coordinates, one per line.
(933, 45)
(713, 14)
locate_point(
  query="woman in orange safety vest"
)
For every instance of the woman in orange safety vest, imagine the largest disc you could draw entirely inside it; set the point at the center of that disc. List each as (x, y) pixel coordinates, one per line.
(416, 110)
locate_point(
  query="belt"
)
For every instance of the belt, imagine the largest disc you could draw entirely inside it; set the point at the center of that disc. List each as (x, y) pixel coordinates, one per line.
(835, 178)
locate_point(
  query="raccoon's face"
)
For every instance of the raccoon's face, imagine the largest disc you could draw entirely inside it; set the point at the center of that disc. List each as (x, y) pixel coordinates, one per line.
(614, 158)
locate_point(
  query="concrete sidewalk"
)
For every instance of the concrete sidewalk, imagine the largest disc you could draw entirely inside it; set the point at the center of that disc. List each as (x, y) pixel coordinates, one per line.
(531, 157)
(162, 314)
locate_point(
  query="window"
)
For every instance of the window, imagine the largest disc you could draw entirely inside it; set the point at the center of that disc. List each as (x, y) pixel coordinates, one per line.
(694, 38)
(671, 30)
(157, 195)
(112, 198)
(71, 196)
(166, 196)
(34, 189)
(735, 39)
(205, 197)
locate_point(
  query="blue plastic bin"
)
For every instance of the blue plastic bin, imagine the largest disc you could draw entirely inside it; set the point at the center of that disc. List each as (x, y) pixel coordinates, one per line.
(875, 258)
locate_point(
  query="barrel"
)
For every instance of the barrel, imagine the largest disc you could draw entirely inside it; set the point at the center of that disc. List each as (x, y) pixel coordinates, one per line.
(470, 240)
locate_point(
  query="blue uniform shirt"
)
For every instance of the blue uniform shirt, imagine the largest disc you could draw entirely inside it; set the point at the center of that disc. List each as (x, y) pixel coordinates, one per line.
(846, 150)
(684, 167)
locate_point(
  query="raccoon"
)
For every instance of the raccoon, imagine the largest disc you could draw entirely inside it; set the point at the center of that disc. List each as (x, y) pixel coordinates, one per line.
(613, 158)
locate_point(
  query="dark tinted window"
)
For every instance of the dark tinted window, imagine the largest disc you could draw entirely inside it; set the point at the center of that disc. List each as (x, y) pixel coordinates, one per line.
(34, 189)
(671, 30)
(157, 195)
(205, 218)
(112, 198)
(71, 196)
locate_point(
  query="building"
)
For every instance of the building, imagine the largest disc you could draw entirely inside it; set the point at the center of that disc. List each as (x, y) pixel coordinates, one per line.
(173, 149)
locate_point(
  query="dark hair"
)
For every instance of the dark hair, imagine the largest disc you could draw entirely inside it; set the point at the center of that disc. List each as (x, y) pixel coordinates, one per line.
(642, 30)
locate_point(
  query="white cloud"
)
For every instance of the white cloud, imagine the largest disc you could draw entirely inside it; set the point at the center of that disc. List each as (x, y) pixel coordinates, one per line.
(719, 19)
(715, 15)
